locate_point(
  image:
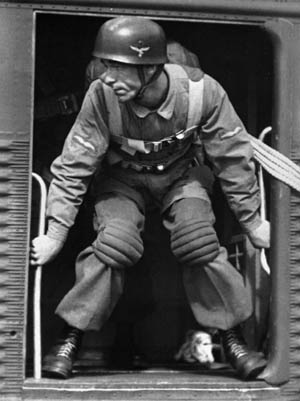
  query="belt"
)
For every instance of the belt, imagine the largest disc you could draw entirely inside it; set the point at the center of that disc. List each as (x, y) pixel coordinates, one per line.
(142, 168)
(154, 168)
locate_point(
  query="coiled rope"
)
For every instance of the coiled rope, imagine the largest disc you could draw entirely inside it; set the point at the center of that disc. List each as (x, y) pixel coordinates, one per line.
(275, 163)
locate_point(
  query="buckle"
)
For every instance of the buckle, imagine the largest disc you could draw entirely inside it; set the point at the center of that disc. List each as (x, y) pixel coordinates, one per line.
(159, 168)
(68, 104)
(180, 135)
(157, 146)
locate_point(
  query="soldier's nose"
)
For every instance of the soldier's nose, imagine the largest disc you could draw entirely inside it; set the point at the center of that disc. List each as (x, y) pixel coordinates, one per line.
(107, 78)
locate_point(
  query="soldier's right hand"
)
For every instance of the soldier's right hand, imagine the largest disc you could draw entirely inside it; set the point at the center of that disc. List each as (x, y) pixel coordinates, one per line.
(44, 249)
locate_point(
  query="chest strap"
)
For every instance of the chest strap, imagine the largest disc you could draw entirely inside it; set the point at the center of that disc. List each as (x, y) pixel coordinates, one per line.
(132, 146)
(155, 146)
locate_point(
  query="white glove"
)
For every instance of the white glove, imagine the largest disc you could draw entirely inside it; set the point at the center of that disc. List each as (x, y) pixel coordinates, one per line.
(260, 237)
(44, 249)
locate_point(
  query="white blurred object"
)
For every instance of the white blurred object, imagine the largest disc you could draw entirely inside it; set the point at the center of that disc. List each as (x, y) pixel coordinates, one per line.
(197, 347)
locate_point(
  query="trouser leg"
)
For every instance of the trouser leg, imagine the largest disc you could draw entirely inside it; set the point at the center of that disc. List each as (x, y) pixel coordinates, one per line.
(100, 267)
(214, 288)
(217, 294)
(95, 293)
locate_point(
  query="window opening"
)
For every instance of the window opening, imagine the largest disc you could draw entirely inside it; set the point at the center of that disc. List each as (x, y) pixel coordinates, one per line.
(152, 318)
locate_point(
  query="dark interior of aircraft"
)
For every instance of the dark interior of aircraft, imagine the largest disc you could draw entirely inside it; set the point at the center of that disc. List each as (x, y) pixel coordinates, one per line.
(152, 317)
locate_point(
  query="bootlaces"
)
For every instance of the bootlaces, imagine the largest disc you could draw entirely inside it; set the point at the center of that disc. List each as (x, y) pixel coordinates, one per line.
(69, 347)
(66, 350)
(234, 344)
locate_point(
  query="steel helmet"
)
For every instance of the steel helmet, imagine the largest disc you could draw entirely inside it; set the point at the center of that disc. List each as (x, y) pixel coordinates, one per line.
(131, 40)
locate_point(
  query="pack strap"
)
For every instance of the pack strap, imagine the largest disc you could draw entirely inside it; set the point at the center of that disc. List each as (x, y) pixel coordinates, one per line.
(66, 104)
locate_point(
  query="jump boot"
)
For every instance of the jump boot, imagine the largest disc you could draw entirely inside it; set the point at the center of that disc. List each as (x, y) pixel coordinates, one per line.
(59, 361)
(248, 364)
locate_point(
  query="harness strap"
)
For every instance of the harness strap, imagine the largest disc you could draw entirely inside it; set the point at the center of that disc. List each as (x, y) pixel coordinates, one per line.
(196, 90)
(274, 162)
(130, 145)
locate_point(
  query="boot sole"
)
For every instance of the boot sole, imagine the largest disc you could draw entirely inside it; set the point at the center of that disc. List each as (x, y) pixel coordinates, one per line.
(55, 372)
(252, 373)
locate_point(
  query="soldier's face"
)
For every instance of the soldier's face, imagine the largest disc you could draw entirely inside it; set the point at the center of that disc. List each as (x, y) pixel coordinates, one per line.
(122, 78)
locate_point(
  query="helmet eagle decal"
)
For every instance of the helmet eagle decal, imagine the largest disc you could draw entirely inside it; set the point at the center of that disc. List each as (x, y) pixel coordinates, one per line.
(140, 50)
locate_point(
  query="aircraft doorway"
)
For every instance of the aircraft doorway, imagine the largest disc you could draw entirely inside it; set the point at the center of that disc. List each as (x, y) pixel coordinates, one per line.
(151, 319)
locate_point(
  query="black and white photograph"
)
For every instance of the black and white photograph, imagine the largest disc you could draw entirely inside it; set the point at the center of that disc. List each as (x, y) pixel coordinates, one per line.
(149, 207)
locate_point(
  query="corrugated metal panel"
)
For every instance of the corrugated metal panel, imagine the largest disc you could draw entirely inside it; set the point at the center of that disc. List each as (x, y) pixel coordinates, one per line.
(15, 125)
(294, 235)
(295, 284)
(13, 244)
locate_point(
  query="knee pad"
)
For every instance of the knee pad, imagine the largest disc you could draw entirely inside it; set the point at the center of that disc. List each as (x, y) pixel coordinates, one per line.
(194, 242)
(118, 244)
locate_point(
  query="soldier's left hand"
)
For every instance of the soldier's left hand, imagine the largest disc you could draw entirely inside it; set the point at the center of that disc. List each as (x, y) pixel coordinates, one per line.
(260, 237)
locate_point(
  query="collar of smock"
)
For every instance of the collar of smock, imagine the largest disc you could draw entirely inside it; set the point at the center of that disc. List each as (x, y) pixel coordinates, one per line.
(166, 109)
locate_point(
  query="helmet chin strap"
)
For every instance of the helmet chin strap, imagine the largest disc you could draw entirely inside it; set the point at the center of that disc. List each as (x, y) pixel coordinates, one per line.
(144, 83)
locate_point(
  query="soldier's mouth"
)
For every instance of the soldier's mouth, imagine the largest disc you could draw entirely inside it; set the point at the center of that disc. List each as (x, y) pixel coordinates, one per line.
(120, 92)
